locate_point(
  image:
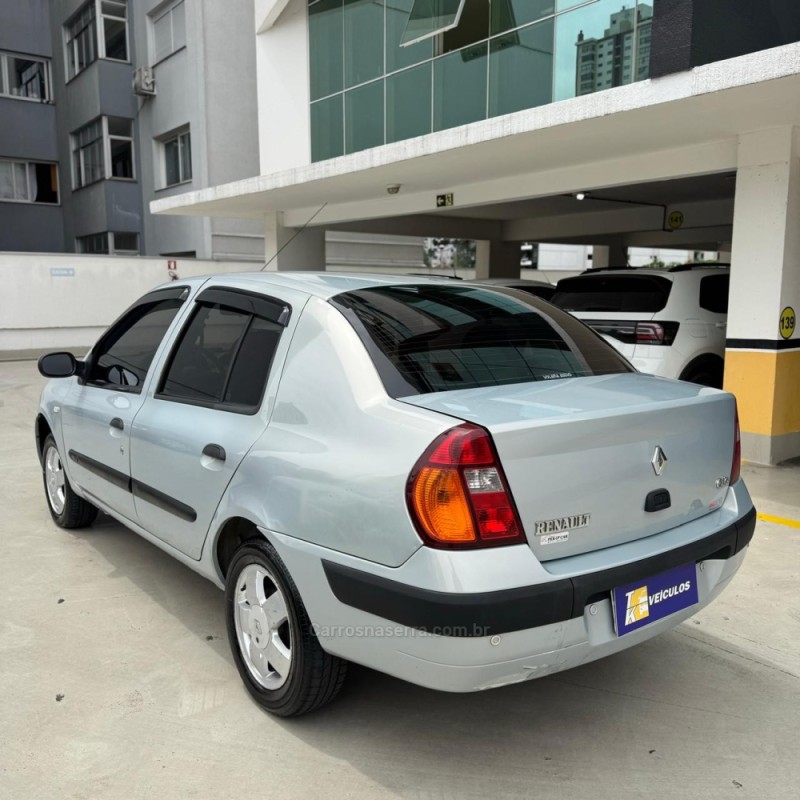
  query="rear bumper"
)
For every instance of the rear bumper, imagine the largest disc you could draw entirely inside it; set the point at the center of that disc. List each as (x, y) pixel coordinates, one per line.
(464, 621)
(491, 613)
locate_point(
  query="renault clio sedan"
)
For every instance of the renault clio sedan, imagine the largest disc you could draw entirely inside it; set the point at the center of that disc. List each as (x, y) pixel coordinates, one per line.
(461, 486)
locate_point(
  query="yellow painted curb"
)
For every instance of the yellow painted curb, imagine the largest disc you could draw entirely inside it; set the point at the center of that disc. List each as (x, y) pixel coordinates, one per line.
(792, 523)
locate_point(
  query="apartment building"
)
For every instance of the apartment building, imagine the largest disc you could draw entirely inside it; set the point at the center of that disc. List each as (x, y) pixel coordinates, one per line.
(106, 105)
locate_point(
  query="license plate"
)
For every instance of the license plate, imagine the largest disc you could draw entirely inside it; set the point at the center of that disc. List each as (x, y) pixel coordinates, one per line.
(649, 600)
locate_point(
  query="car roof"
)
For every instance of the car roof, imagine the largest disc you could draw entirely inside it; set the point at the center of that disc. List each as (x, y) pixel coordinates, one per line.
(511, 282)
(663, 273)
(320, 284)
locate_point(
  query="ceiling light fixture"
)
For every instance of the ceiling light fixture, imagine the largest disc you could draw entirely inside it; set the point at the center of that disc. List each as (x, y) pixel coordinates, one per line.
(580, 195)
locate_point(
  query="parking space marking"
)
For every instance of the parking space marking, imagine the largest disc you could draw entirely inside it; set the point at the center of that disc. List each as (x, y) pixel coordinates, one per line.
(792, 523)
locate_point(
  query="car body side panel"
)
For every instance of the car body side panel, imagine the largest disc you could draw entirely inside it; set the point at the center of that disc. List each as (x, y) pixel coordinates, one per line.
(99, 452)
(169, 437)
(84, 417)
(333, 464)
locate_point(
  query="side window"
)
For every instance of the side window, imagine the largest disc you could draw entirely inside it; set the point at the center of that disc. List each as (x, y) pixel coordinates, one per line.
(714, 293)
(253, 361)
(222, 358)
(124, 354)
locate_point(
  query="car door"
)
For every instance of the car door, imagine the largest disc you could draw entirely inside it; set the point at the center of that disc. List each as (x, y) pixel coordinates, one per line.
(99, 408)
(205, 413)
(714, 291)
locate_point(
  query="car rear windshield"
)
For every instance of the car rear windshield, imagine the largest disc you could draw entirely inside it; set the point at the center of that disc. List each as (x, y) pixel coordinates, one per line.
(617, 293)
(427, 338)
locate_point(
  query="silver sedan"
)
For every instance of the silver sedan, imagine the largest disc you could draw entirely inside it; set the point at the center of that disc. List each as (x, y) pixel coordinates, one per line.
(459, 485)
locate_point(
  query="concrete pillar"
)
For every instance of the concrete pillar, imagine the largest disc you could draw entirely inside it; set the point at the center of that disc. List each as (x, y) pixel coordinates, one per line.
(762, 361)
(497, 259)
(613, 255)
(293, 248)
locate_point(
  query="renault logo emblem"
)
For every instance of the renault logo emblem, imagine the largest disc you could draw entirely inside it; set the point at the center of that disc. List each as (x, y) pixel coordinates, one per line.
(659, 461)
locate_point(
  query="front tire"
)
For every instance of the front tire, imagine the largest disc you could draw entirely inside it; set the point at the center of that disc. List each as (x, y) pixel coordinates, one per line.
(67, 508)
(274, 646)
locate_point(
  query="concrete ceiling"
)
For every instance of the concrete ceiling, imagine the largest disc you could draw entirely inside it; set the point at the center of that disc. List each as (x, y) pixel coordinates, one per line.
(671, 142)
(698, 188)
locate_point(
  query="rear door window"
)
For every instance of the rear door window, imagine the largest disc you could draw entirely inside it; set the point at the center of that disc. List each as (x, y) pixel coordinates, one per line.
(224, 354)
(640, 294)
(439, 338)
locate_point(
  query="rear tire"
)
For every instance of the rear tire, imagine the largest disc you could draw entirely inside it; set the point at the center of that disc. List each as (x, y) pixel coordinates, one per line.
(67, 508)
(276, 651)
(705, 371)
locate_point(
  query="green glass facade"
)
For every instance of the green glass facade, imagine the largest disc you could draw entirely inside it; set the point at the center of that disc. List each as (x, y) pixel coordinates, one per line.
(502, 56)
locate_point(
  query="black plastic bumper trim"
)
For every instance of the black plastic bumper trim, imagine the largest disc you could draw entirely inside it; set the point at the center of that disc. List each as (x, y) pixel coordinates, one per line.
(489, 613)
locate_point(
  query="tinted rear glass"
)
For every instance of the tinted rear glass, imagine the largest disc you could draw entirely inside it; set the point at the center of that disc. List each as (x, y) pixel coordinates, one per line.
(714, 293)
(439, 338)
(619, 293)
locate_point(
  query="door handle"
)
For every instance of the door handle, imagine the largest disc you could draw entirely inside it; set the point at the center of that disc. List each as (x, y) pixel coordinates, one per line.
(117, 423)
(720, 324)
(214, 451)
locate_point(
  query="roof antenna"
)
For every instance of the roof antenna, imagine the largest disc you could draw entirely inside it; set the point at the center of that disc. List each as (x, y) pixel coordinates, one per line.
(296, 233)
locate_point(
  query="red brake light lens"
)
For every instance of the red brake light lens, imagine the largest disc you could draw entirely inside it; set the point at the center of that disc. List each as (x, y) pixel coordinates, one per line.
(457, 493)
(649, 333)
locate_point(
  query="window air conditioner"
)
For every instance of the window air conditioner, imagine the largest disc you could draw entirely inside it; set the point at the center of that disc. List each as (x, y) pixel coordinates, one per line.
(144, 82)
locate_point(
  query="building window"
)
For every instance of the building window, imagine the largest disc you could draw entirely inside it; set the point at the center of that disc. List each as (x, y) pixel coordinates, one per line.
(114, 40)
(109, 243)
(81, 36)
(168, 31)
(103, 149)
(120, 147)
(177, 158)
(385, 70)
(427, 19)
(26, 77)
(28, 182)
(85, 42)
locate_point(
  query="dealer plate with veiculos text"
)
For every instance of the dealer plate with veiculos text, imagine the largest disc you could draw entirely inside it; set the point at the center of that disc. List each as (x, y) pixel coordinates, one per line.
(649, 600)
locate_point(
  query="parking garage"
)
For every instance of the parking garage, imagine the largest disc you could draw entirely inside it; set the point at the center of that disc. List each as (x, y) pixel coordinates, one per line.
(707, 159)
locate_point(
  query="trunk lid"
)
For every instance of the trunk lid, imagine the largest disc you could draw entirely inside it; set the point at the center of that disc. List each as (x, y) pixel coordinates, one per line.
(578, 453)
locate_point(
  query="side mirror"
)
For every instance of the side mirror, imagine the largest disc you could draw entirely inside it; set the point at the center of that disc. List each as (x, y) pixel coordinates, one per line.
(58, 365)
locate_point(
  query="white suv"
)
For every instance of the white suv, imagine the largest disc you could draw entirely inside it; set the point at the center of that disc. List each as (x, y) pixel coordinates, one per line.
(666, 322)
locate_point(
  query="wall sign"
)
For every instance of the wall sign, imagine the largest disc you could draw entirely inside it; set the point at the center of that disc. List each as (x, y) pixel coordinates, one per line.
(62, 272)
(443, 200)
(787, 322)
(675, 220)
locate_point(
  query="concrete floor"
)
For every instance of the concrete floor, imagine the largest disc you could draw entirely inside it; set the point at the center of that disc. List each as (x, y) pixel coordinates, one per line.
(151, 705)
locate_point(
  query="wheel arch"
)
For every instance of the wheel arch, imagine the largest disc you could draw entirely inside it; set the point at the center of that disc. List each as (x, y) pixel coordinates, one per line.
(231, 536)
(704, 360)
(42, 431)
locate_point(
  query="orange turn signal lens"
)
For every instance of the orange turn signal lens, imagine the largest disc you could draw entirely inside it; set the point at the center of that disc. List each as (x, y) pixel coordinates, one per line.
(442, 506)
(457, 494)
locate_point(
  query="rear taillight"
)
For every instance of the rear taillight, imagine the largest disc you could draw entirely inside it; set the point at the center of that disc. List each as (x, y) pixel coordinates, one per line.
(457, 493)
(633, 332)
(658, 333)
(649, 333)
(736, 466)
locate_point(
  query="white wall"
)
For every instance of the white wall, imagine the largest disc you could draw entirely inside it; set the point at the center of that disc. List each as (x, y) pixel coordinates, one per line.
(283, 89)
(52, 302)
(564, 256)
